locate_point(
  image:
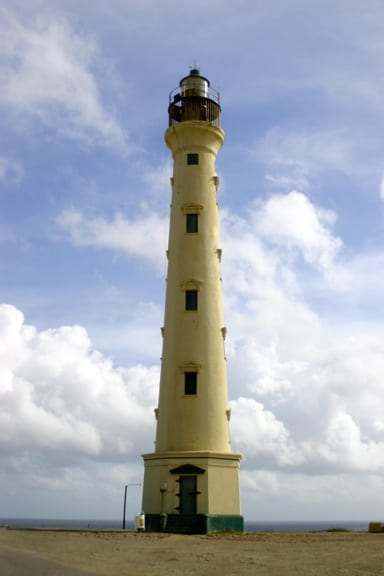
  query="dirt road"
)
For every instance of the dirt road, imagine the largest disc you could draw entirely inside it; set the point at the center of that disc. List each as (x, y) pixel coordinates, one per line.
(101, 553)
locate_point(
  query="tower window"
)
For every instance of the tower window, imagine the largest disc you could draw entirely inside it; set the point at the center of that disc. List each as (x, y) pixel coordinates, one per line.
(192, 158)
(192, 222)
(191, 299)
(190, 383)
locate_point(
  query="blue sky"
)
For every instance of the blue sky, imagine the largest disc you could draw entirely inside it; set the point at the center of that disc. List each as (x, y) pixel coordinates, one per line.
(84, 192)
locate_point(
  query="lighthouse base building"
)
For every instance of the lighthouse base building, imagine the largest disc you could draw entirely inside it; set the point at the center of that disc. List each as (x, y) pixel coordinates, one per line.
(191, 480)
(192, 493)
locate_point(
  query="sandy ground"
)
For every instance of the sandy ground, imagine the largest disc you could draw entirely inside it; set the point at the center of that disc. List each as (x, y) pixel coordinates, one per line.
(71, 553)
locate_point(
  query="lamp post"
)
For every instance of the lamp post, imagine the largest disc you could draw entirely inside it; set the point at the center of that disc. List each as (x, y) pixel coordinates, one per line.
(125, 500)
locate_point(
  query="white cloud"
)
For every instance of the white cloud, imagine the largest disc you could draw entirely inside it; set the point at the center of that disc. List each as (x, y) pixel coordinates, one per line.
(311, 403)
(359, 281)
(262, 250)
(310, 384)
(63, 402)
(258, 433)
(293, 159)
(158, 181)
(292, 221)
(382, 189)
(263, 278)
(50, 72)
(333, 497)
(142, 237)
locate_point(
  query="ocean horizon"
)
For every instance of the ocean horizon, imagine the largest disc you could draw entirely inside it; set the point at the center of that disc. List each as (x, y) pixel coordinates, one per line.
(249, 526)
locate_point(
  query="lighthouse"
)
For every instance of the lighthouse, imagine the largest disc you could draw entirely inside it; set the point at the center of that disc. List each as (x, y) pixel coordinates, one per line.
(191, 479)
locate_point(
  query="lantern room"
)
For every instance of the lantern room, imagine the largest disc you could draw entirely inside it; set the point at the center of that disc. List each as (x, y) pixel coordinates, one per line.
(194, 99)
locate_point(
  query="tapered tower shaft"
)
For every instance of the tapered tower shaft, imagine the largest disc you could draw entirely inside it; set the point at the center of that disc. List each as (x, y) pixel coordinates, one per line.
(193, 404)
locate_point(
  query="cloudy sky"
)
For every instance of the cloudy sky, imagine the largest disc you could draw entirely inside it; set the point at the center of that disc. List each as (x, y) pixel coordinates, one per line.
(84, 193)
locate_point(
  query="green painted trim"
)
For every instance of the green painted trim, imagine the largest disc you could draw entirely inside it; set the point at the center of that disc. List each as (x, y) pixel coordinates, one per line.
(197, 524)
(224, 523)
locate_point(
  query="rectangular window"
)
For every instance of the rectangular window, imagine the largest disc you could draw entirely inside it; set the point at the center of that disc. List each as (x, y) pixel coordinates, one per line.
(191, 299)
(192, 222)
(192, 158)
(190, 383)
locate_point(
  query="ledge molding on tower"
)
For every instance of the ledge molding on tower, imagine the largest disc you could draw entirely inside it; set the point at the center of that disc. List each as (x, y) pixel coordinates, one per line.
(190, 367)
(191, 285)
(192, 208)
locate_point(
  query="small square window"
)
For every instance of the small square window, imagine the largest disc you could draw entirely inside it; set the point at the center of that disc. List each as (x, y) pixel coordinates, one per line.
(192, 223)
(190, 383)
(192, 158)
(191, 299)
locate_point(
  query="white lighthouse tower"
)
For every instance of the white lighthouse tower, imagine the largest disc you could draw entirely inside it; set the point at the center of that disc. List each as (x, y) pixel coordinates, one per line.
(191, 480)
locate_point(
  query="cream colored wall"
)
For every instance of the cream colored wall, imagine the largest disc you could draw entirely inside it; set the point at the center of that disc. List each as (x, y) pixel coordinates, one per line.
(218, 486)
(194, 422)
(223, 487)
(155, 474)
